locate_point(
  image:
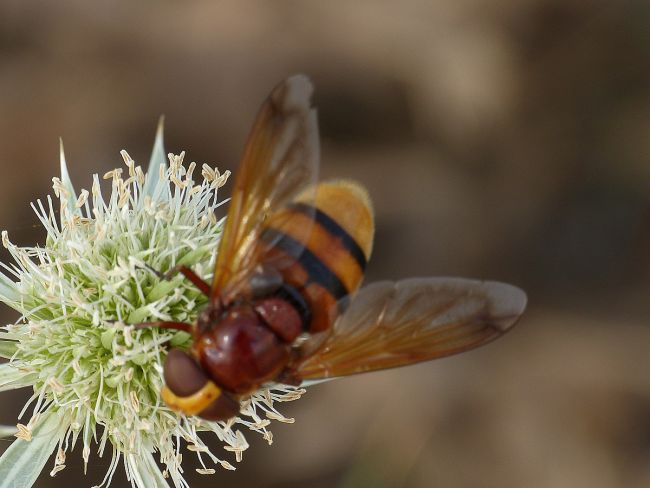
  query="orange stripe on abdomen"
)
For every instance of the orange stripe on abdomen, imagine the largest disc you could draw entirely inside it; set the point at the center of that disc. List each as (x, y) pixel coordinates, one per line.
(320, 288)
(334, 248)
(330, 236)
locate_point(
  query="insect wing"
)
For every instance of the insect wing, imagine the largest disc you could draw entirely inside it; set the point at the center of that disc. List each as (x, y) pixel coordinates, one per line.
(280, 159)
(390, 324)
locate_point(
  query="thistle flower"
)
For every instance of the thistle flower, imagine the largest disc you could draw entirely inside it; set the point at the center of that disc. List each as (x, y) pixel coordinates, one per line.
(96, 379)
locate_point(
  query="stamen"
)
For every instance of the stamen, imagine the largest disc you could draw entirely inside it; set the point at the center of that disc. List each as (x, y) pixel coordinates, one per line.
(75, 293)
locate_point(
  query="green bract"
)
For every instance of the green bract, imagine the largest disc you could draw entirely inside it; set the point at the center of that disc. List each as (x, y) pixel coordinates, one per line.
(96, 380)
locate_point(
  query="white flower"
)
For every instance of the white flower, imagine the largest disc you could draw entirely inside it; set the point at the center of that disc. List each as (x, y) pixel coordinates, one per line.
(96, 380)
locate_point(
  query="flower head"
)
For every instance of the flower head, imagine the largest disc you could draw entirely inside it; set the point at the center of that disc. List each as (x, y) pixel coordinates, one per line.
(96, 379)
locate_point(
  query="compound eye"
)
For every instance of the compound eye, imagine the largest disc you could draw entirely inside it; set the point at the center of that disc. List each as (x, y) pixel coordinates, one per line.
(183, 375)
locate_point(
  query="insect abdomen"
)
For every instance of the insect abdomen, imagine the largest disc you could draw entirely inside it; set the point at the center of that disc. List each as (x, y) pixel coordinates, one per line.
(329, 234)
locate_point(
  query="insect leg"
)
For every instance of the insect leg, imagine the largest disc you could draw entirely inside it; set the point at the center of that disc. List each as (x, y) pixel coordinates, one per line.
(167, 325)
(185, 271)
(289, 376)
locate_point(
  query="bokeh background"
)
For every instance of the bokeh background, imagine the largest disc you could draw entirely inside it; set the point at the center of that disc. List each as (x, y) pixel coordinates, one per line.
(502, 139)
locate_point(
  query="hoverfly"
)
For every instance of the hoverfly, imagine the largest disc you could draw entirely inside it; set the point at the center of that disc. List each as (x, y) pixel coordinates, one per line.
(283, 304)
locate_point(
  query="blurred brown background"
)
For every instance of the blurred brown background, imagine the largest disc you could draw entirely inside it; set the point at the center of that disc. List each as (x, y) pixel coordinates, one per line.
(499, 139)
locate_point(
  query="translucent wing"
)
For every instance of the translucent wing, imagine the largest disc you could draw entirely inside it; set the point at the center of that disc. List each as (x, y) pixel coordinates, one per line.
(280, 159)
(390, 324)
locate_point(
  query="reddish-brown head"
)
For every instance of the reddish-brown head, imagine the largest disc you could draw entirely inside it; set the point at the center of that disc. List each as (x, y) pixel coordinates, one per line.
(189, 390)
(240, 352)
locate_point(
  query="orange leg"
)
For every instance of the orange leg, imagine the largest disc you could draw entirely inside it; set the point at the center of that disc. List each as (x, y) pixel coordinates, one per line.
(167, 325)
(185, 271)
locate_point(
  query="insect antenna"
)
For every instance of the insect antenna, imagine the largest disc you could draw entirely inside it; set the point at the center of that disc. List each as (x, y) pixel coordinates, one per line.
(189, 328)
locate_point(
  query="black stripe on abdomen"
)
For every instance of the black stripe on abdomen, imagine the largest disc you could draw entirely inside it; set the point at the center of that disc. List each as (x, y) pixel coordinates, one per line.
(334, 229)
(316, 271)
